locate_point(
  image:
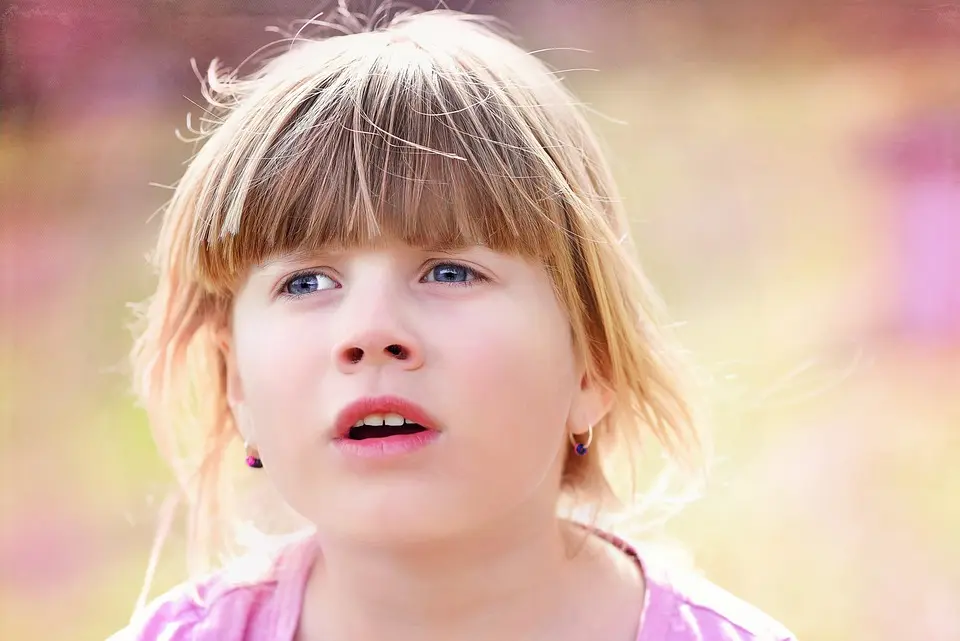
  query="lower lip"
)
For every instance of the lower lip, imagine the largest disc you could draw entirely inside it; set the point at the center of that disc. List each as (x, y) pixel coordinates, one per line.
(388, 446)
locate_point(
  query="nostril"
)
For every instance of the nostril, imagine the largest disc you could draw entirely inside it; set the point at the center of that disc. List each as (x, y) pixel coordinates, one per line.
(397, 351)
(354, 354)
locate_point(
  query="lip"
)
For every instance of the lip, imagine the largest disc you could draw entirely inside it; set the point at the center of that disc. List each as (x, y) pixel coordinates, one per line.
(387, 447)
(355, 411)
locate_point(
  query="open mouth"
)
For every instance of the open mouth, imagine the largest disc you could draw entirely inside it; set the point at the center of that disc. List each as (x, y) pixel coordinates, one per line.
(383, 428)
(364, 432)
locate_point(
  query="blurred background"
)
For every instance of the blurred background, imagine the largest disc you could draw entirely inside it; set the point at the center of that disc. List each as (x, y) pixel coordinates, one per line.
(794, 172)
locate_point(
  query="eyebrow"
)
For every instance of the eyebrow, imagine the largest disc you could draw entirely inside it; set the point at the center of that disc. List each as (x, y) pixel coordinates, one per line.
(311, 253)
(290, 257)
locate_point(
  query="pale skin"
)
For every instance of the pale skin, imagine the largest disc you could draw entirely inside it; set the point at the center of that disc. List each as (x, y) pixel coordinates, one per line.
(459, 540)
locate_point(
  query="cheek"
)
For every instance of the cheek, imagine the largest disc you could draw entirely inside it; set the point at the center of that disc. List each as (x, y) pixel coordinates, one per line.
(518, 379)
(282, 364)
(520, 375)
(279, 364)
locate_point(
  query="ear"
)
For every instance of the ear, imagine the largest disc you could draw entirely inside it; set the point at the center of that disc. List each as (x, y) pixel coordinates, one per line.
(592, 403)
(234, 388)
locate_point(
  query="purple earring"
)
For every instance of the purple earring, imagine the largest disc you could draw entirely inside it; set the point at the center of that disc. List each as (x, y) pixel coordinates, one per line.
(581, 448)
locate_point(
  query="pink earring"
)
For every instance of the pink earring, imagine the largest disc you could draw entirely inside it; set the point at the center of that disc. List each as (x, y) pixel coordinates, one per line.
(581, 448)
(253, 457)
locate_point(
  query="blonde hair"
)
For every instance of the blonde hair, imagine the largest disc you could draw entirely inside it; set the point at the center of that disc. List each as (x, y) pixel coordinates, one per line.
(431, 127)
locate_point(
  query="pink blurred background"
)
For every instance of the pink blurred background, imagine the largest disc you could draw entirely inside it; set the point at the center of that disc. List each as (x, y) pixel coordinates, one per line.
(794, 172)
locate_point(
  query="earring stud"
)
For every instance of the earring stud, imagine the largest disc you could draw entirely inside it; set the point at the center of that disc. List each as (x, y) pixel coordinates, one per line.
(581, 448)
(253, 457)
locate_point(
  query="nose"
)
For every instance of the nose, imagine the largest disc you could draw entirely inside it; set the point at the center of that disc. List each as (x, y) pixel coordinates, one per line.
(374, 347)
(375, 332)
(376, 319)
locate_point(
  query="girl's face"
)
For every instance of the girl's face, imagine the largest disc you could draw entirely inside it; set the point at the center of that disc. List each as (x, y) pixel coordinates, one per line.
(474, 339)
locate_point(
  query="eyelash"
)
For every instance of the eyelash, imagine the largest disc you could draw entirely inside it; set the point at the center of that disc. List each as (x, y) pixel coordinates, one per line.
(477, 277)
(283, 293)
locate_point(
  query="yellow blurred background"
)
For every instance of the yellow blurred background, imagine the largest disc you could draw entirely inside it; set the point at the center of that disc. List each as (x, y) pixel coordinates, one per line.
(794, 173)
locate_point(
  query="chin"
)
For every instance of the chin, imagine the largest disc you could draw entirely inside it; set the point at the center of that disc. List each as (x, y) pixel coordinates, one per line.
(386, 514)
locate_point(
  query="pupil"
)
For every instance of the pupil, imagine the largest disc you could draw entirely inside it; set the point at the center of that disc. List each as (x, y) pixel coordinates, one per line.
(450, 273)
(303, 285)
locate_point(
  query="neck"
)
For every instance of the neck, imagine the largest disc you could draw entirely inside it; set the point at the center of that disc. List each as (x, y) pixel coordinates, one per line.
(507, 577)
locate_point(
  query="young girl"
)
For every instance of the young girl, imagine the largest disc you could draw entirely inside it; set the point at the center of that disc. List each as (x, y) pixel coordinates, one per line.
(398, 273)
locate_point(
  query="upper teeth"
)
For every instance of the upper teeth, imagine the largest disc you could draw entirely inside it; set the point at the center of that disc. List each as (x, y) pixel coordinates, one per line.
(382, 419)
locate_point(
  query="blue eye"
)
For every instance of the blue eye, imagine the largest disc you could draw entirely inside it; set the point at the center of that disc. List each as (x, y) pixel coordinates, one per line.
(303, 284)
(451, 273)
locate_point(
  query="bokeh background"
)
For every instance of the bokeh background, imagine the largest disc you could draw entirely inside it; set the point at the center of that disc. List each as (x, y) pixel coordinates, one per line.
(794, 172)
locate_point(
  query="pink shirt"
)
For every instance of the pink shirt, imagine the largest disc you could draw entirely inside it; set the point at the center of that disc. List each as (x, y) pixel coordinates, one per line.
(677, 607)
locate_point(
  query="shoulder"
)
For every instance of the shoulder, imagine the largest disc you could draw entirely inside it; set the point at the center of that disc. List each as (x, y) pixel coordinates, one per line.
(682, 605)
(213, 608)
(234, 604)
